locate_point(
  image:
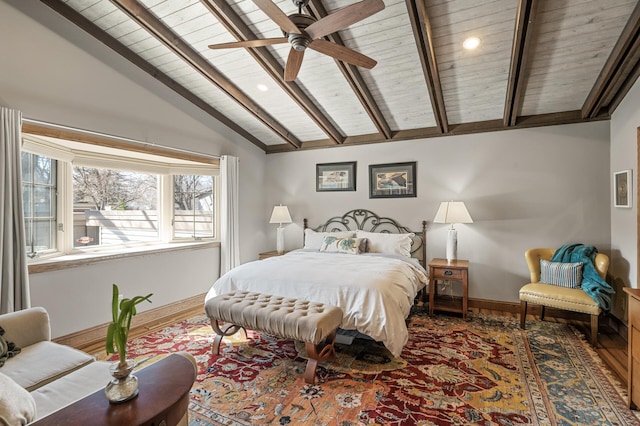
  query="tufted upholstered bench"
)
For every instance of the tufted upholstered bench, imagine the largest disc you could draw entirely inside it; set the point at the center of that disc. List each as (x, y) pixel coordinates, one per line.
(310, 322)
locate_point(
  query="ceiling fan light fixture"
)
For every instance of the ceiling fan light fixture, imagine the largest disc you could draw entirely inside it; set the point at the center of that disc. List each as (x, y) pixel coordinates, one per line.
(471, 43)
(299, 41)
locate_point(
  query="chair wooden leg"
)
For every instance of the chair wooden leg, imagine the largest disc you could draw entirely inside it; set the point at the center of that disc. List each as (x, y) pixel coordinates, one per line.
(523, 313)
(542, 314)
(594, 330)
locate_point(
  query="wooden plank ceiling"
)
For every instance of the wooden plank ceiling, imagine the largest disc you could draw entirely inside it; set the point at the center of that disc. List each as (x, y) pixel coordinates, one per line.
(539, 62)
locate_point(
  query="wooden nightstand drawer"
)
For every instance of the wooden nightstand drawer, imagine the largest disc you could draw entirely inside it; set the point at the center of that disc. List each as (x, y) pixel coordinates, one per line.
(447, 274)
(268, 254)
(634, 312)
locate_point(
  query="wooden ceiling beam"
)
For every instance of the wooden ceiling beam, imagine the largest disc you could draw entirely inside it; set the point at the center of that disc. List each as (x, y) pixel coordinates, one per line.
(523, 34)
(616, 68)
(241, 31)
(422, 32)
(78, 19)
(523, 122)
(353, 76)
(138, 12)
(624, 89)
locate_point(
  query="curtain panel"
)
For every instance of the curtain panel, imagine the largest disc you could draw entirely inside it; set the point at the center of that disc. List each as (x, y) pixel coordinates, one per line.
(229, 227)
(14, 278)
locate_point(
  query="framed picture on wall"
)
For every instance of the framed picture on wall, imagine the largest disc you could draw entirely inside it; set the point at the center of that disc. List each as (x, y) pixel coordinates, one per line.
(393, 180)
(622, 189)
(336, 176)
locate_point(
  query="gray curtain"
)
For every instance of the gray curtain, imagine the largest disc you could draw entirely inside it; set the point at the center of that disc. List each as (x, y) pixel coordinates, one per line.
(14, 280)
(229, 232)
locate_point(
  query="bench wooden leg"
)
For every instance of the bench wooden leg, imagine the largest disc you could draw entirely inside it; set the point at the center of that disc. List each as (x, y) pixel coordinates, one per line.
(320, 352)
(310, 371)
(227, 330)
(523, 313)
(594, 330)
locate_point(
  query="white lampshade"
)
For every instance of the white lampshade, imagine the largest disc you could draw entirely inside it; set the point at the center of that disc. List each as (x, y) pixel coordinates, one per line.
(452, 212)
(280, 215)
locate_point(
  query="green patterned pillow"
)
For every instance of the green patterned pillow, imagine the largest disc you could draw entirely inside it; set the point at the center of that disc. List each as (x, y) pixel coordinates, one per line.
(343, 245)
(561, 273)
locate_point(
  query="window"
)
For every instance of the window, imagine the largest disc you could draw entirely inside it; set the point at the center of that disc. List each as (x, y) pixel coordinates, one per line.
(194, 204)
(39, 190)
(110, 198)
(114, 207)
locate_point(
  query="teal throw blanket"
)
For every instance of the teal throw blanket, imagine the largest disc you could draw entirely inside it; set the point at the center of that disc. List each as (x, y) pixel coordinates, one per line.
(592, 283)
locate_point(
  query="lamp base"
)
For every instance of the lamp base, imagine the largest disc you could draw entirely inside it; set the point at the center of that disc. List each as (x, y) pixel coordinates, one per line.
(452, 245)
(280, 240)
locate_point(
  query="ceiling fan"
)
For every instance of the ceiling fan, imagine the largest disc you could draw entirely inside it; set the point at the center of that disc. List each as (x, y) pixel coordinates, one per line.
(302, 31)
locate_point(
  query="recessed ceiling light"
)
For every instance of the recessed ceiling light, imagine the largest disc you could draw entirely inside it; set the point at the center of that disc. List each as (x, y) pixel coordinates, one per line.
(471, 43)
(262, 87)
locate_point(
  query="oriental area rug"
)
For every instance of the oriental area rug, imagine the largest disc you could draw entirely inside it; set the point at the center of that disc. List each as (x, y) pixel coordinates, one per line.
(485, 371)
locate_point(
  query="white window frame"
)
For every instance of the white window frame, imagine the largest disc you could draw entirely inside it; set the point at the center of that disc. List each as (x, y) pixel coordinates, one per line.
(164, 167)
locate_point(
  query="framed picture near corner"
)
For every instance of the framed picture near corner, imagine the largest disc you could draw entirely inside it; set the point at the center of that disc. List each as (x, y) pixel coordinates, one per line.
(336, 176)
(394, 180)
(622, 189)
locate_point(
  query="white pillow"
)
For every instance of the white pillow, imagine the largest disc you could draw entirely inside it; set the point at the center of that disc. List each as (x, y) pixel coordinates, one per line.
(380, 242)
(17, 406)
(313, 240)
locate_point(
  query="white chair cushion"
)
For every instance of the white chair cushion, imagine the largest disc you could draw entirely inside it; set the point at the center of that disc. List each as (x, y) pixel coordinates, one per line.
(41, 363)
(71, 388)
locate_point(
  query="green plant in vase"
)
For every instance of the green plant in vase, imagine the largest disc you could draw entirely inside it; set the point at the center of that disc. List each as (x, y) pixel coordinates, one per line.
(124, 385)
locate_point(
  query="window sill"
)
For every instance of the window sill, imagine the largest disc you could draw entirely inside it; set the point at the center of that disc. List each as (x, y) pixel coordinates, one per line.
(84, 259)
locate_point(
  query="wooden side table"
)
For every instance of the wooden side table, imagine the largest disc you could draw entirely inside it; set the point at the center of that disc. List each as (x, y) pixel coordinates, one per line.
(163, 399)
(456, 270)
(267, 254)
(633, 350)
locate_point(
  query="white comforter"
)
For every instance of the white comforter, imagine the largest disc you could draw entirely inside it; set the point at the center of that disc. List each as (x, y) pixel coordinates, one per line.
(375, 291)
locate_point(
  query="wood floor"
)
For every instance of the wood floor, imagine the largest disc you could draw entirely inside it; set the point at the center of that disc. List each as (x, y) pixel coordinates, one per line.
(612, 348)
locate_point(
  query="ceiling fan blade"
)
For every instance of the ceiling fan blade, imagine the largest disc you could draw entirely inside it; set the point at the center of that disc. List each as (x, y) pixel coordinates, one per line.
(294, 61)
(249, 43)
(344, 17)
(277, 15)
(342, 53)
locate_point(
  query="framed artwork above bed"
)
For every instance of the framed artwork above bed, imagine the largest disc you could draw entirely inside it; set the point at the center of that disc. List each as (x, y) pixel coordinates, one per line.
(394, 180)
(336, 176)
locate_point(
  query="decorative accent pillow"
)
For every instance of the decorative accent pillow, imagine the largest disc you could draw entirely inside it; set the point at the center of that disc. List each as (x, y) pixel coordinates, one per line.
(562, 274)
(7, 349)
(313, 240)
(342, 245)
(17, 406)
(382, 242)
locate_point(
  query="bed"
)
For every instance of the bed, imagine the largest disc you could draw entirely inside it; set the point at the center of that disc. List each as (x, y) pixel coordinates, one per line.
(375, 288)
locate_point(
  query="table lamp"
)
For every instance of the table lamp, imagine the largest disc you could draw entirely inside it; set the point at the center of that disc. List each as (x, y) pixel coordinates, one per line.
(452, 212)
(280, 215)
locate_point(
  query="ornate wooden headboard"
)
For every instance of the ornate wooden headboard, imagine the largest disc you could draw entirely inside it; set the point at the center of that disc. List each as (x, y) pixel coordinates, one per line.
(366, 220)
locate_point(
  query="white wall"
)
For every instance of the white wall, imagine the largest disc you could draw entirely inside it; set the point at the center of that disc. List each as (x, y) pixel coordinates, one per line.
(624, 232)
(53, 71)
(528, 188)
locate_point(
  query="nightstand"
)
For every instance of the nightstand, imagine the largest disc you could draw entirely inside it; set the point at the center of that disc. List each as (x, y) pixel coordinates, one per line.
(441, 270)
(267, 254)
(633, 351)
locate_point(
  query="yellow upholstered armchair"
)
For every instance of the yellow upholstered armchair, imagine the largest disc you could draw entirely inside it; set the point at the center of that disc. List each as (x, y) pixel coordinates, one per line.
(553, 296)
